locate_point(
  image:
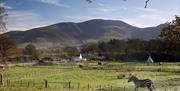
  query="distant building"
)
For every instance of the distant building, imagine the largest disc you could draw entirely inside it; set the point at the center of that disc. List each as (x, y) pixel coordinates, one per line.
(150, 60)
(78, 58)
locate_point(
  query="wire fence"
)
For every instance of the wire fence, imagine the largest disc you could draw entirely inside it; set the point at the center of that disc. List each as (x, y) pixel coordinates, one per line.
(77, 86)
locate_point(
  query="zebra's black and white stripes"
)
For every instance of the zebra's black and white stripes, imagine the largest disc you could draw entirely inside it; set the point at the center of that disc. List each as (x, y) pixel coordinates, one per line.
(141, 83)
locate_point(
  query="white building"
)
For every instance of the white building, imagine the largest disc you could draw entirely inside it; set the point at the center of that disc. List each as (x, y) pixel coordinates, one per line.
(150, 60)
(78, 59)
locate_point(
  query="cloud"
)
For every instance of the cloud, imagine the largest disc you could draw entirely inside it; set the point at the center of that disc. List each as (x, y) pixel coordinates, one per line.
(146, 20)
(85, 18)
(140, 17)
(5, 5)
(149, 10)
(24, 20)
(55, 2)
(148, 17)
(101, 4)
(106, 9)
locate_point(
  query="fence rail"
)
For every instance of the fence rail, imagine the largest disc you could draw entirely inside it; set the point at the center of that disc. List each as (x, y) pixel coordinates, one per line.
(74, 86)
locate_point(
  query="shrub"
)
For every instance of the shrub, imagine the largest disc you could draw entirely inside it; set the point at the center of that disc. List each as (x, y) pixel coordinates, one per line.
(121, 76)
(80, 66)
(99, 63)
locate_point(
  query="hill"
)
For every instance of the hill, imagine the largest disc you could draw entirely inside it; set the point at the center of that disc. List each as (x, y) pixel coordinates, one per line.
(77, 33)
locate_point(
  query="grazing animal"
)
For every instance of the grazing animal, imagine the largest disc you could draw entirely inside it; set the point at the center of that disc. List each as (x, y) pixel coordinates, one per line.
(80, 66)
(99, 63)
(141, 83)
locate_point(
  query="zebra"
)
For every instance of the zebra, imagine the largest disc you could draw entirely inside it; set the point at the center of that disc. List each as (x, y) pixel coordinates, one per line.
(141, 83)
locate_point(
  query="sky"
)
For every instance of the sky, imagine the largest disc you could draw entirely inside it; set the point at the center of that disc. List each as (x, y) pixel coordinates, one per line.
(28, 14)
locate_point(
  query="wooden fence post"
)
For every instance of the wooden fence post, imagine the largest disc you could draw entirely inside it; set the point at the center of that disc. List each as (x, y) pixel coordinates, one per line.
(69, 85)
(78, 85)
(100, 87)
(8, 82)
(33, 83)
(46, 84)
(111, 88)
(28, 83)
(124, 88)
(21, 83)
(88, 86)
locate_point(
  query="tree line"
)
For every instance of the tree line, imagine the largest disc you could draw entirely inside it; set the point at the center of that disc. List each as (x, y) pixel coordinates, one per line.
(164, 48)
(132, 49)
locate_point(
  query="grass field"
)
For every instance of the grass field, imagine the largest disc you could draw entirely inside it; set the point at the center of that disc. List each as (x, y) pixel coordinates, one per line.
(69, 77)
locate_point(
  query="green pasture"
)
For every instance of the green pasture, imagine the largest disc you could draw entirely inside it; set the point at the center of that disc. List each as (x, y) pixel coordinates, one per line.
(93, 78)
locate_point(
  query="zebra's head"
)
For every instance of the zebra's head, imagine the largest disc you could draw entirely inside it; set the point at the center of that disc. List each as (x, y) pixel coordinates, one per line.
(132, 78)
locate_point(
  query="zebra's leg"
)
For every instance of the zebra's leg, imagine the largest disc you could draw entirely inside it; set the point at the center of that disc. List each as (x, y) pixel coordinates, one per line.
(136, 88)
(150, 88)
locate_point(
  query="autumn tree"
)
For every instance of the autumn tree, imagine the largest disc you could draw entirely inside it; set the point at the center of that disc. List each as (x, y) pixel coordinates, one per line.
(31, 51)
(90, 48)
(7, 48)
(171, 37)
(70, 51)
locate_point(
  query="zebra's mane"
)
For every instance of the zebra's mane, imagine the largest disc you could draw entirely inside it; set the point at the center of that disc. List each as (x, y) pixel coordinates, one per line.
(134, 77)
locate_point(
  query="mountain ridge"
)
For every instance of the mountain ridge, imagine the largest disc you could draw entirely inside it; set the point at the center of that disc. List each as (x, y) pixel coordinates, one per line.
(96, 29)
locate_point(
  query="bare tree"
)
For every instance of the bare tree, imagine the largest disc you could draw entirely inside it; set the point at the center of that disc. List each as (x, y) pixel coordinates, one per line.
(89, 1)
(70, 51)
(3, 14)
(146, 2)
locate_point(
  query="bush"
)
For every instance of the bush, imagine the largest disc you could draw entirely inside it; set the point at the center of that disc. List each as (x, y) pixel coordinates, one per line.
(99, 63)
(80, 66)
(121, 76)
